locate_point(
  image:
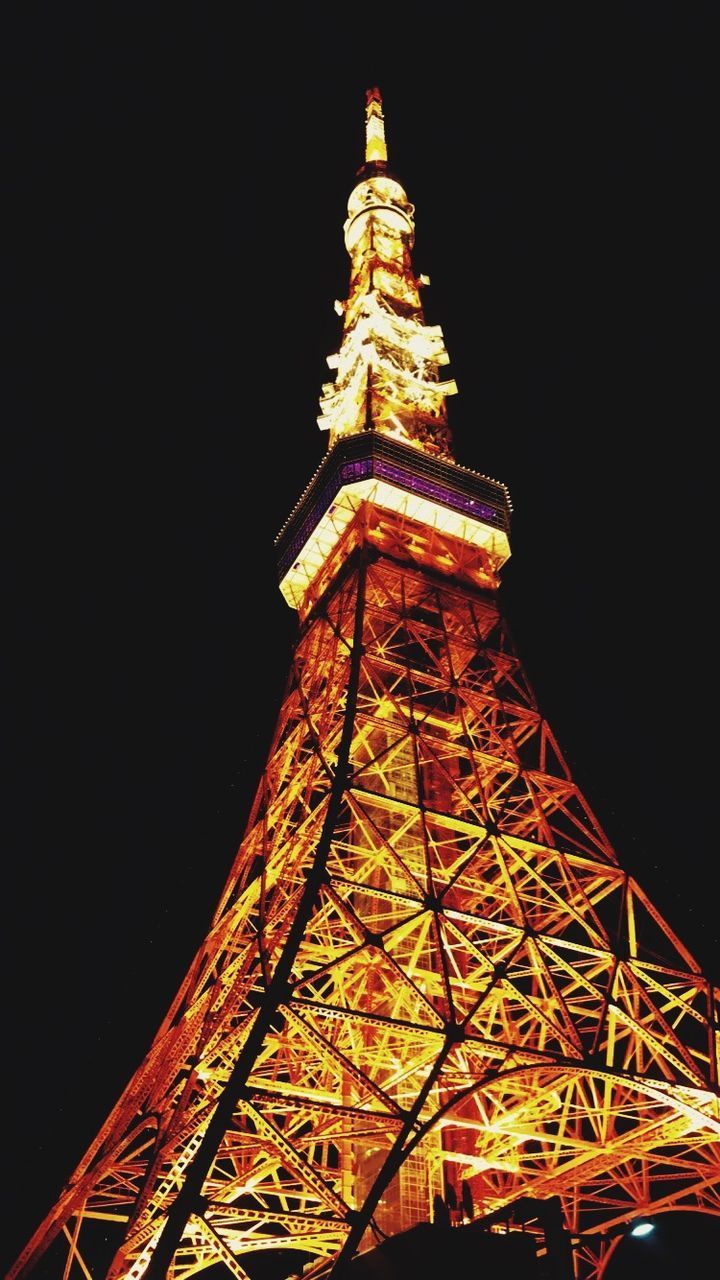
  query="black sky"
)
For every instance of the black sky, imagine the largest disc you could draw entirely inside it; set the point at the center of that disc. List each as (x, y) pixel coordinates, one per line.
(176, 181)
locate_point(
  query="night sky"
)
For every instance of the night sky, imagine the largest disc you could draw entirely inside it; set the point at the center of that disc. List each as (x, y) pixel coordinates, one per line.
(176, 188)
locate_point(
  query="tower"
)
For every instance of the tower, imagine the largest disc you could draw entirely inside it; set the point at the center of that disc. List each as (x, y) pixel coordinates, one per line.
(427, 966)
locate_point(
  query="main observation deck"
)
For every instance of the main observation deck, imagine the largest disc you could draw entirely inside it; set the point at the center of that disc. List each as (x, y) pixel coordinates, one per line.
(440, 505)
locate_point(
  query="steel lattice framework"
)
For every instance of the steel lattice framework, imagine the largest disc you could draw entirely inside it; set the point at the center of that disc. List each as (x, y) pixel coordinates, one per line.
(427, 962)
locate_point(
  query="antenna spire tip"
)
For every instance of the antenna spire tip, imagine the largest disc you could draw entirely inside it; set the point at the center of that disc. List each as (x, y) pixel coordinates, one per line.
(375, 148)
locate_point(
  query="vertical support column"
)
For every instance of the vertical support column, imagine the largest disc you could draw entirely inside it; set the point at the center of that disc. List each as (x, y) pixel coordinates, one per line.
(189, 1197)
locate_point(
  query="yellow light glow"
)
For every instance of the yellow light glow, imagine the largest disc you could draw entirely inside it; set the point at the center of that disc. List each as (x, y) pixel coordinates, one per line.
(387, 366)
(421, 511)
(375, 149)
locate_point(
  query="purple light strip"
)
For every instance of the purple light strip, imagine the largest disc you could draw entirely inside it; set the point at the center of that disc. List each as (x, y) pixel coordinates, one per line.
(361, 469)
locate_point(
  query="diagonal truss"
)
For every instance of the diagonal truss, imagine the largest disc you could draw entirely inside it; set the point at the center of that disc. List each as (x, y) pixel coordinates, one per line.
(478, 990)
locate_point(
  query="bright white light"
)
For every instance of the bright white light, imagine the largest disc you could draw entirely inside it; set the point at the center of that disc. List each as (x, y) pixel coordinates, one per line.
(642, 1229)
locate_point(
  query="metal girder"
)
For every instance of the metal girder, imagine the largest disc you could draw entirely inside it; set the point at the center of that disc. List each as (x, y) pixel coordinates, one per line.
(429, 965)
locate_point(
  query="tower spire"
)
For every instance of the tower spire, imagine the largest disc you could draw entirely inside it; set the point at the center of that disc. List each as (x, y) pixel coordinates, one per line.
(384, 327)
(375, 145)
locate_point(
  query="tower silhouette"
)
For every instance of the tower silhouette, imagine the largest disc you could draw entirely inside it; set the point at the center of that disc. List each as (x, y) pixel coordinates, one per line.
(427, 967)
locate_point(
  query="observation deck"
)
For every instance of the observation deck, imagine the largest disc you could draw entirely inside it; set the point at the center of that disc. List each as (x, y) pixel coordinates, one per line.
(452, 519)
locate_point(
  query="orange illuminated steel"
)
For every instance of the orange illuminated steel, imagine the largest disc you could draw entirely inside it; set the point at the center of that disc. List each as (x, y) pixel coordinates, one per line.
(427, 965)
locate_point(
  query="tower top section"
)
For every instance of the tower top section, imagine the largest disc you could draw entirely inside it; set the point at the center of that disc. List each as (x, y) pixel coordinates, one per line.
(388, 365)
(389, 481)
(375, 146)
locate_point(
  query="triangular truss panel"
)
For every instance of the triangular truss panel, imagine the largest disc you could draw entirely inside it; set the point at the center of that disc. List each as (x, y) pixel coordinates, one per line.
(455, 977)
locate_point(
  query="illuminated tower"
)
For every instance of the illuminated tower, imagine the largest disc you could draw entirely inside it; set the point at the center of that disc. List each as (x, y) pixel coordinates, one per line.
(427, 966)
